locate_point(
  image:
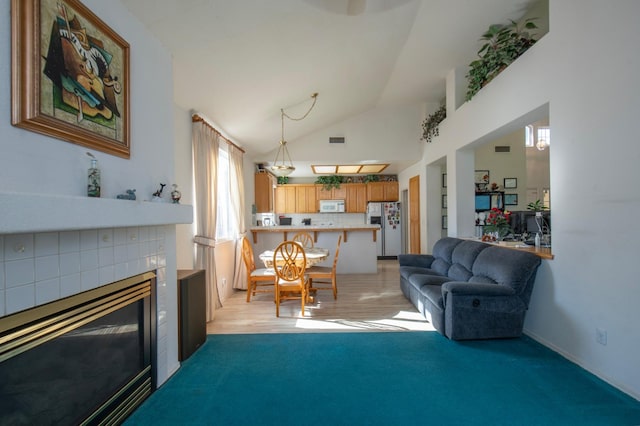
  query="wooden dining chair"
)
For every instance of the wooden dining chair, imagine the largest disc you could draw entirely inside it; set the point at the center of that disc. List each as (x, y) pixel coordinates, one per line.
(291, 282)
(325, 275)
(256, 277)
(303, 238)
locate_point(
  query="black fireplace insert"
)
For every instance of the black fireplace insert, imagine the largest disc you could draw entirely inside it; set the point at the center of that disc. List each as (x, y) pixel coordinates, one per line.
(85, 359)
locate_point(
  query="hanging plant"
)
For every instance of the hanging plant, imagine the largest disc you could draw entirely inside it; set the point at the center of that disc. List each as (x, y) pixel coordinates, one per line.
(503, 45)
(431, 123)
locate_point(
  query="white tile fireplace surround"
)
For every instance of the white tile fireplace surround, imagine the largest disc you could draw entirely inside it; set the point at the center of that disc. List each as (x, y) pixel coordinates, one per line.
(52, 247)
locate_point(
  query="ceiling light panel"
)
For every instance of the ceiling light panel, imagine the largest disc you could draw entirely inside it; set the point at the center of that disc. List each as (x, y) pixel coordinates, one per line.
(323, 169)
(348, 170)
(373, 168)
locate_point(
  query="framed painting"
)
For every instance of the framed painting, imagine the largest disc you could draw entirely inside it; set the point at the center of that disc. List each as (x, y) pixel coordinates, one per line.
(510, 183)
(481, 180)
(69, 75)
(510, 199)
(482, 177)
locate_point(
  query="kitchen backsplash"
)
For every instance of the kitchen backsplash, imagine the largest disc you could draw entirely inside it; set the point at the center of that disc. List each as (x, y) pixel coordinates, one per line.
(322, 219)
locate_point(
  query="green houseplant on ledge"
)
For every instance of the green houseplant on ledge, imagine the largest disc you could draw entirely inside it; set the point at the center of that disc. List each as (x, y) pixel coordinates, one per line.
(430, 124)
(329, 182)
(503, 45)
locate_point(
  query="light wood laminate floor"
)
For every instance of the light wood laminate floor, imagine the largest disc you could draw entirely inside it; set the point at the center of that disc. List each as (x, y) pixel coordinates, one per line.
(366, 302)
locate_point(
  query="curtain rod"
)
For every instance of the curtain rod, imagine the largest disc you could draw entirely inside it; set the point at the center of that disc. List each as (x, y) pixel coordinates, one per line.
(196, 118)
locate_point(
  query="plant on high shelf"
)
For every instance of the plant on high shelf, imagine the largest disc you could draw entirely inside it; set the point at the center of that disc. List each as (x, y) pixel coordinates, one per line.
(503, 45)
(329, 182)
(430, 125)
(498, 221)
(371, 178)
(283, 180)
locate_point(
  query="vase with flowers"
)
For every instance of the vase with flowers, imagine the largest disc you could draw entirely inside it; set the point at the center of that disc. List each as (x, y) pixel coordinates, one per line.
(497, 223)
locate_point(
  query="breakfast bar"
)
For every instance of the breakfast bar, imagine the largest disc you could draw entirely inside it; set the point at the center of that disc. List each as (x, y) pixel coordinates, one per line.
(357, 251)
(287, 230)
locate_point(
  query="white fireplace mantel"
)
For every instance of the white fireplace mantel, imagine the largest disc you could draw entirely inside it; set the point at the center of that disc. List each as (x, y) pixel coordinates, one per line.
(23, 212)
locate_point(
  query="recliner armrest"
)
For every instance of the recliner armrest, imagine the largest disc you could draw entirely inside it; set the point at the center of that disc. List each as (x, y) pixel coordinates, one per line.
(421, 260)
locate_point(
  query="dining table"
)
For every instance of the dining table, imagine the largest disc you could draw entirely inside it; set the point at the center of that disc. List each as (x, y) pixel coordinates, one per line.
(313, 254)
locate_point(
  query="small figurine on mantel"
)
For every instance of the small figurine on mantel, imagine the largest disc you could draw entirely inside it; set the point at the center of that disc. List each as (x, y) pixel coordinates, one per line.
(175, 194)
(130, 194)
(157, 196)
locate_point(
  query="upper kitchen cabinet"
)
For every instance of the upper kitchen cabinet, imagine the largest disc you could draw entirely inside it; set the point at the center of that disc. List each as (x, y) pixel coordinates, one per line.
(383, 191)
(285, 199)
(265, 184)
(331, 194)
(306, 199)
(356, 201)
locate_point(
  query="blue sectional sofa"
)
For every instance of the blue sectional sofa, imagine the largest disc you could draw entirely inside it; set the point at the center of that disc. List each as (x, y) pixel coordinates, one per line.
(470, 290)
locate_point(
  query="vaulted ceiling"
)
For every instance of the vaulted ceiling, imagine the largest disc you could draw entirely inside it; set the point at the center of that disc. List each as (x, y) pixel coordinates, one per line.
(238, 62)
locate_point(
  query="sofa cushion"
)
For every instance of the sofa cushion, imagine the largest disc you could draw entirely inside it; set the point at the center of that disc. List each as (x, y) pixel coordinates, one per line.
(420, 280)
(433, 293)
(463, 257)
(407, 271)
(442, 253)
(503, 266)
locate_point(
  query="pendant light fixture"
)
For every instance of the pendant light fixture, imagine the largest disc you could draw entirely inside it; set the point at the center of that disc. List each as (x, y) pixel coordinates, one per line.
(280, 167)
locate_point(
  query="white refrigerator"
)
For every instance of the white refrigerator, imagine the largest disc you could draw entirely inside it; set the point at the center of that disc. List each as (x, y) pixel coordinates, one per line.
(387, 215)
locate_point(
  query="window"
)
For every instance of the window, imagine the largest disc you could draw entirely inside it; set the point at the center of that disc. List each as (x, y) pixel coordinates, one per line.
(528, 136)
(544, 138)
(226, 226)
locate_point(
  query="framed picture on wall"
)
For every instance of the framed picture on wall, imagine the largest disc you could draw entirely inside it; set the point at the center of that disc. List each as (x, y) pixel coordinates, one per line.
(444, 180)
(444, 222)
(481, 180)
(69, 75)
(482, 177)
(510, 183)
(510, 199)
(444, 201)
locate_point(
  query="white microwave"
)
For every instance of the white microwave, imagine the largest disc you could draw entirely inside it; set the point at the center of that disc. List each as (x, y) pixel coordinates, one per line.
(331, 206)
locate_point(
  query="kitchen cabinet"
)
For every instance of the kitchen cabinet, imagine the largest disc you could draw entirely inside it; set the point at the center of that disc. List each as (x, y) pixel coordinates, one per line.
(383, 191)
(331, 194)
(264, 185)
(285, 199)
(306, 199)
(356, 201)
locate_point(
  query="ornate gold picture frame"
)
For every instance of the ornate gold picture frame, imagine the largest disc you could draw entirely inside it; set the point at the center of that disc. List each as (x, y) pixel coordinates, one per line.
(69, 75)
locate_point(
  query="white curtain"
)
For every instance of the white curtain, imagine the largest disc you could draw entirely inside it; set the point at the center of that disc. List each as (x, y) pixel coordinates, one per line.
(205, 142)
(238, 208)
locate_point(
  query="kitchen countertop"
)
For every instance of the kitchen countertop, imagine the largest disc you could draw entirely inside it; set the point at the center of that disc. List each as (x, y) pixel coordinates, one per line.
(345, 229)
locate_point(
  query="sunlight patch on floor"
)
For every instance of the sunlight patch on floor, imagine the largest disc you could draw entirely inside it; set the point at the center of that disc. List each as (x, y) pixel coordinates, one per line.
(403, 321)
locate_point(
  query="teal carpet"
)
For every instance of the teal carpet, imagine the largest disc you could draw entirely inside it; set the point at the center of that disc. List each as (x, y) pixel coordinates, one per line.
(411, 378)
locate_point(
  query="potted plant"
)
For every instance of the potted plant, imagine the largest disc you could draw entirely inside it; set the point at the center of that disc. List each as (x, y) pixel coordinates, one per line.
(329, 182)
(503, 45)
(537, 206)
(498, 222)
(431, 123)
(371, 178)
(283, 180)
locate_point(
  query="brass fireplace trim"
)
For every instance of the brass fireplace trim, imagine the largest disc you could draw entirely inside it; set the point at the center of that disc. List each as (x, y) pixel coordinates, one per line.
(56, 318)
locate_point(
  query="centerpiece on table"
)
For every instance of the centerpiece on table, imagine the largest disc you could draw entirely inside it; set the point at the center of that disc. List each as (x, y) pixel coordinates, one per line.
(497, 225)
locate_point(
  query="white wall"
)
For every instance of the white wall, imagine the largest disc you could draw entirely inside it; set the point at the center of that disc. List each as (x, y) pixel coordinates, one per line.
(586, 81)
(31, 163)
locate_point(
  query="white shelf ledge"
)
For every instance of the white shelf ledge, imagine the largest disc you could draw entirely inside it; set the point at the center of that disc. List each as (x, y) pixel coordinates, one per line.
(21, 212)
